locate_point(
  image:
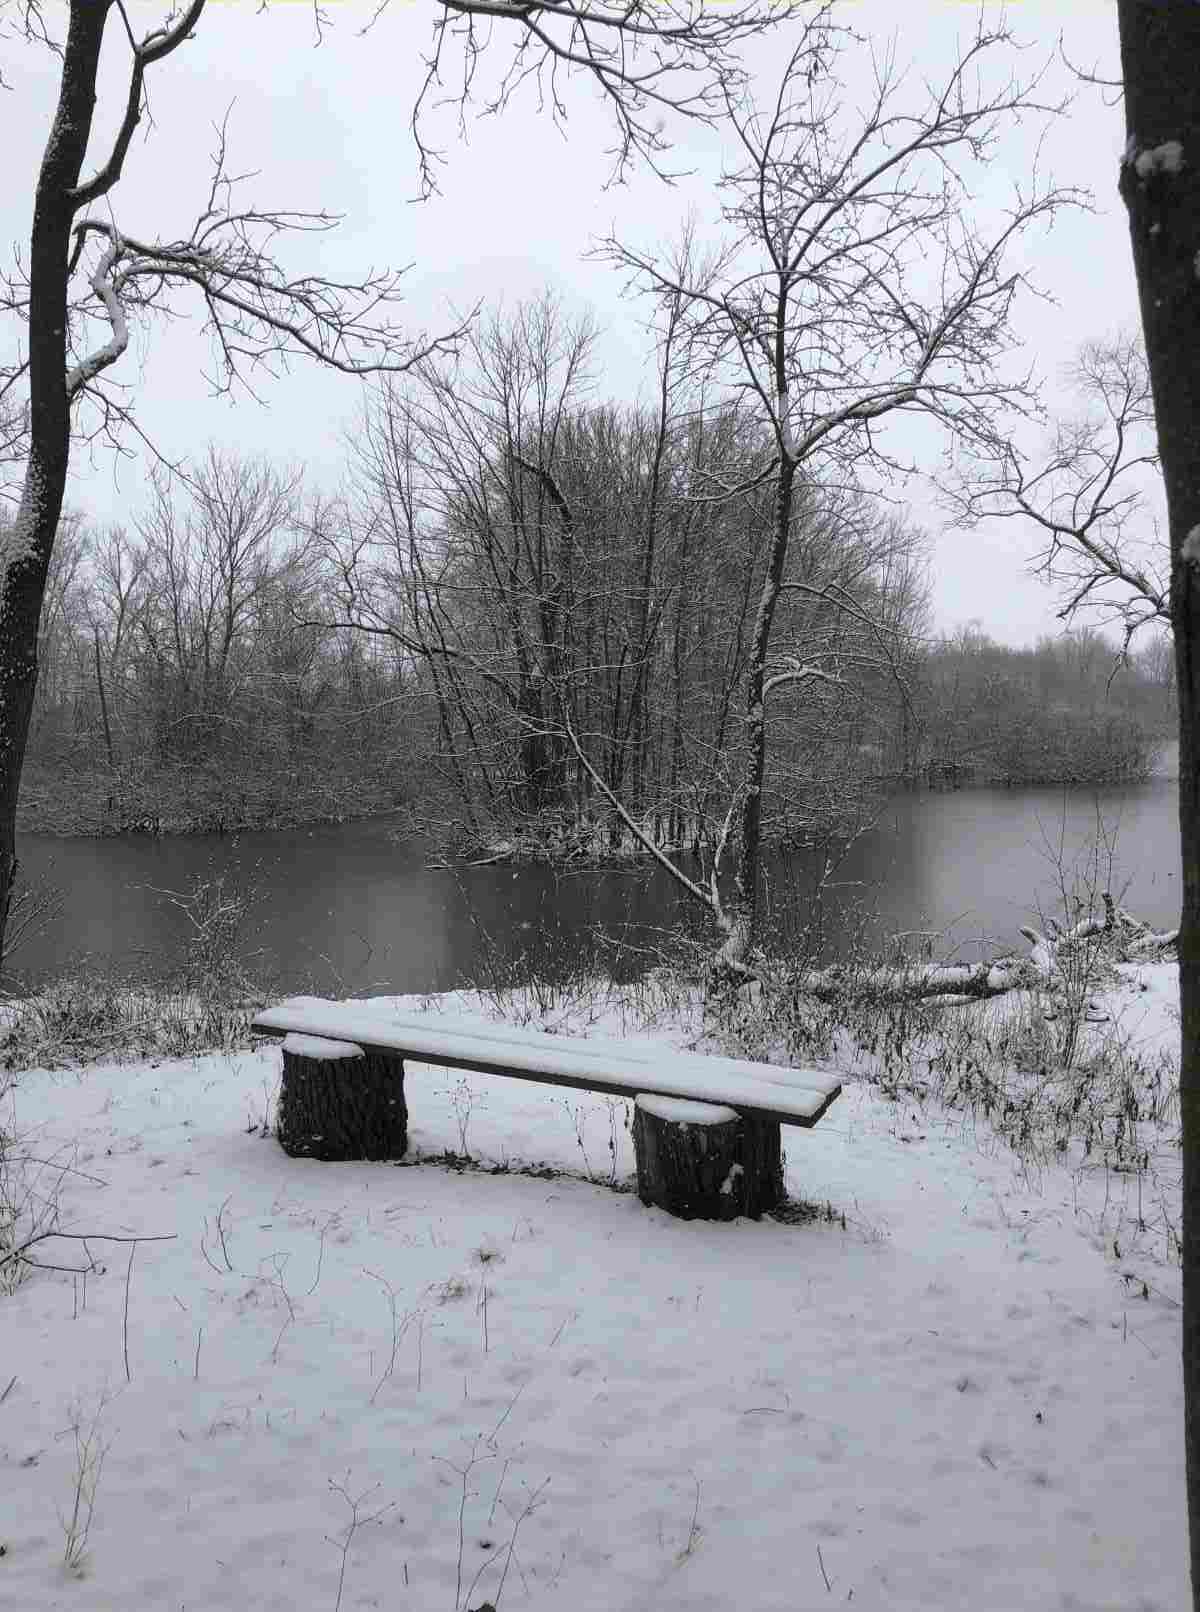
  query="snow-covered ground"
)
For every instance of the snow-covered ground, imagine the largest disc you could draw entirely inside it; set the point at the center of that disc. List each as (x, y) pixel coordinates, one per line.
(532, 1391)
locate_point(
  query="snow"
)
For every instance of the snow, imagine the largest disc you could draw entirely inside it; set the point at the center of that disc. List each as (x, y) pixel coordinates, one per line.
(599, 1062)
(80, 374)
(1166, 158)
(957, 1397)
(1190, 552)
(315, 1046)
(678, 1111)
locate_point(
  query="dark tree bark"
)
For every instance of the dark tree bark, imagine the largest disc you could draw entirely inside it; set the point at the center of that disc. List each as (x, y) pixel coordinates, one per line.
(699, 1161)
(29, 544)
(1160, 185)
(339, 1102)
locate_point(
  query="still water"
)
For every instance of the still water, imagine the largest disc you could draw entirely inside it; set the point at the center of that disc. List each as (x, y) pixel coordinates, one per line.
(351, 908)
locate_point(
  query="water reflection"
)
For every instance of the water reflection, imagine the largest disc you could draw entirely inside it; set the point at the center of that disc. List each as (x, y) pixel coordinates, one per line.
(349, 909)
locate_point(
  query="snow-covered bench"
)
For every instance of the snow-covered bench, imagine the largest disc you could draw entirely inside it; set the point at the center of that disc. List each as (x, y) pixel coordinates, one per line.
(706, 1129)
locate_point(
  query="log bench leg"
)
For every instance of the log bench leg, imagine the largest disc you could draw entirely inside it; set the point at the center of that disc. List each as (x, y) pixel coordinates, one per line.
(339, 1102)
(703, 1162)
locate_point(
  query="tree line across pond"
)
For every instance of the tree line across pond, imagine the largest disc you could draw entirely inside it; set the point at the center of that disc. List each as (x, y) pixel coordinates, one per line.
(524, 605)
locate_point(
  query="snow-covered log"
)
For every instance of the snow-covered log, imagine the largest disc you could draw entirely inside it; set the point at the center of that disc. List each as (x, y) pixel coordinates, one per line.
(702, 1161)
(1115, 938)
(1151, 944)
(339, 1102)
(929, 979)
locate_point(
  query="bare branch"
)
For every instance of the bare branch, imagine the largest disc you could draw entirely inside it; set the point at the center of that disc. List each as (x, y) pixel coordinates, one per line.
(153, 48)
(648, 59)
(1085, 493)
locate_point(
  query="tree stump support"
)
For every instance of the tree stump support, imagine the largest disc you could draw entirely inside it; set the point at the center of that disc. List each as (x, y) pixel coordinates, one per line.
(339, 1102)
(699, 1161)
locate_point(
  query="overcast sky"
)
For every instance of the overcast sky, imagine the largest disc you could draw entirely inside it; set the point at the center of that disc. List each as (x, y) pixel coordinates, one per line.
(327, 127)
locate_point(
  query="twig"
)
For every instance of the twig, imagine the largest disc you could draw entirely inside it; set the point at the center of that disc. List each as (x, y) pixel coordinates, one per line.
(279, 1263)
(824, 1574)
(221, 1233)
(496, 1497)
(53, 1164)
(356, 1522)
(90, 1450)
(694, 1530)
(128, 1275)
(12, 1383)
(561, 1325)
(491, 1438)
(512, 1543)
(320, 1260)
(398, 1332)
(1132, 1276)
(84, 1237)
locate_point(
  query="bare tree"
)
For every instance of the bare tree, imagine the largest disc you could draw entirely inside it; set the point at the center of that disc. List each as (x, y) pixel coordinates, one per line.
(1160, 185)
(117, 597)
(557, 565)
(211, 568)
(1087, 495)
(84, 268)
(851, 285)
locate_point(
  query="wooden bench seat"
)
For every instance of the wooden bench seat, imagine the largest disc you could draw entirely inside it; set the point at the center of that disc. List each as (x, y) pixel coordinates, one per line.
(375, 1042)
(616, 1068)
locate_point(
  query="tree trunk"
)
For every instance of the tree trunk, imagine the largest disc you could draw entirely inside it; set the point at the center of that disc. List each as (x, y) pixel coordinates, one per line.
(699, 1161)
(748, 843)
(339, 1102)
(1160, 184)
(25, 557)
(108, 741)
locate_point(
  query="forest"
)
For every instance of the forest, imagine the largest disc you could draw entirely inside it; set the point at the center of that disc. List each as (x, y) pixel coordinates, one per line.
(523, 603)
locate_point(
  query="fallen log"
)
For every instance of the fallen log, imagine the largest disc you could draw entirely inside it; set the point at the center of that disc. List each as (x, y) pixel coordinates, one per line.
(978, 980)
(1117, 936)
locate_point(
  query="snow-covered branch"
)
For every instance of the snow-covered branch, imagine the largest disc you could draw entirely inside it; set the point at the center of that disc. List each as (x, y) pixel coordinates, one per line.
(102, 284)
(257, 314)
(156, 45)
(795, 671)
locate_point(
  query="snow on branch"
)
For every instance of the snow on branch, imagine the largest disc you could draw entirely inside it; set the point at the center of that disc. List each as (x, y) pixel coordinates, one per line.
(156, 45)
(258, 314)
(793, 670)
(102, 285)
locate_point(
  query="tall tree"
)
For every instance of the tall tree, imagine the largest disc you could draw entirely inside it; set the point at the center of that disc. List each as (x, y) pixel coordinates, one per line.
(645, 57)
(851, 284)
(1160, 185)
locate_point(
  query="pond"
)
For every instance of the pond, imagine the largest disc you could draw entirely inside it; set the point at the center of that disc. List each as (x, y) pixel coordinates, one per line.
(351, 908)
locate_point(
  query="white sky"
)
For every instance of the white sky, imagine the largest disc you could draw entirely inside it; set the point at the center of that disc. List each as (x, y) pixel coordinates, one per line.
(327, 128)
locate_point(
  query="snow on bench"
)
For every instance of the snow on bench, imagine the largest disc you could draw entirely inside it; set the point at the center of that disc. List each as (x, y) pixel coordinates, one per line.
(615, 1068)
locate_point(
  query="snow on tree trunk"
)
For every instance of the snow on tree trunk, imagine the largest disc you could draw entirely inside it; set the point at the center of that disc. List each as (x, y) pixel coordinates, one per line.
(748, 839)
(339, 1102)
(700, 1161)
